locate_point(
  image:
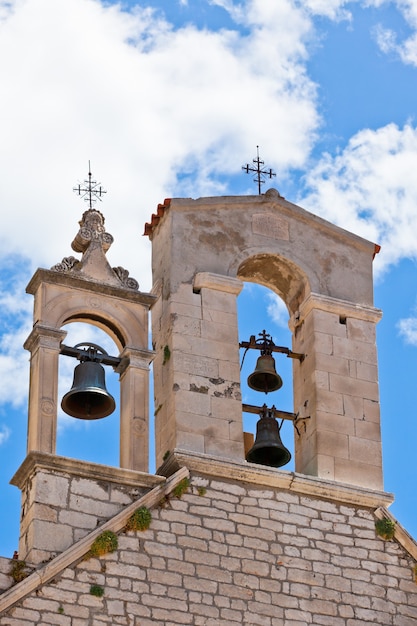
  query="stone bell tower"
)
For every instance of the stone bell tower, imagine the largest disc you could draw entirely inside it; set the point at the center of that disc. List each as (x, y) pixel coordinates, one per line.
(90, 291)
(226, 541)
(202, 251)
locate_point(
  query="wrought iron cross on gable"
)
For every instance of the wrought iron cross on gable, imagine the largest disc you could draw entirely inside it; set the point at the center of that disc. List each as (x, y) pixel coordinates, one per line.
(92, 191)
(259, 170)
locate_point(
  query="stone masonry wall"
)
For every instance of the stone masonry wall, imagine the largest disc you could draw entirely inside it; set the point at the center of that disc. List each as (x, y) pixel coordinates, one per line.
(63, 499)
(231, 553)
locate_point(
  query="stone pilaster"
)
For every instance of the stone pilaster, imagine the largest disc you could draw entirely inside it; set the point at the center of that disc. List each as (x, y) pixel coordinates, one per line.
(196, 369)
(337, 386)
(44, 344)
(134, 403)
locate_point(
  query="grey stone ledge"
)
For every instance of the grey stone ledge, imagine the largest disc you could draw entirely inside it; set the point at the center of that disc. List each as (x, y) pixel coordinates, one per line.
(311, 486)
(81, 469)
(217, 282)
(316, 301)
(69, 280)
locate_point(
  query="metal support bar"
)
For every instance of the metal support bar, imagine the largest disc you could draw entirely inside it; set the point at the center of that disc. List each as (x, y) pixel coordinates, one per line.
(78, 353)
(258, 410)
(253, 345)
(273, 412)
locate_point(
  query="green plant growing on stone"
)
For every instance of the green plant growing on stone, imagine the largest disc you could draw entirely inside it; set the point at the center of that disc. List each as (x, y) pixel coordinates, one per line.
(140, 519)
(385, 528)
(61, 610)
(415, 573)
(166, 455)
(181, 488)
(18, 570)
(105, 543)
(201, 491)
(96, 590)
(167, 355)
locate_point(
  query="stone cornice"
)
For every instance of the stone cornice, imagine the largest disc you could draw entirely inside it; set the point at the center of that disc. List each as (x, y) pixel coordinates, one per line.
(93, 471)
(93, 286)
(309, 486)
(315, 301)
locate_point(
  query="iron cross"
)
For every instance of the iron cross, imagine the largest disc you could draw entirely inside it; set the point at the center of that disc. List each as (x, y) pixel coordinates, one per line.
(259, 171)
(92, 190)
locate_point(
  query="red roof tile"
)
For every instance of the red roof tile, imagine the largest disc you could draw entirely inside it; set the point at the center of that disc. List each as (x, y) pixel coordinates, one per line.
(156, 217)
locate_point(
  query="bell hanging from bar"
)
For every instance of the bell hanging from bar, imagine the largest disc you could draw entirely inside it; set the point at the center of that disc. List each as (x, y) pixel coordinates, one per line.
(268, 448)
(265, 377)
(88, 397)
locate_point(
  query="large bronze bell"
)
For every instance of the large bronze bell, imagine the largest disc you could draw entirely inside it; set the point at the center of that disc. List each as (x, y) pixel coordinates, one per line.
(265, 377)
(88, 397)
(268, 448)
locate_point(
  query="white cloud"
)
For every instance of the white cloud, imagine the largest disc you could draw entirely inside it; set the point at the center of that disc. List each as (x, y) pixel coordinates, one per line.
(407, 328)
(143, 101)
(333, 9)
(390, 42)
(4, 434)
(16, 310)
(370, 188)
(277, 310)
(385, 38)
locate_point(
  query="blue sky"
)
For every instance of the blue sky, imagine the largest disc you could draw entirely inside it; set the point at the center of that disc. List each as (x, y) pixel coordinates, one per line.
(169, 99)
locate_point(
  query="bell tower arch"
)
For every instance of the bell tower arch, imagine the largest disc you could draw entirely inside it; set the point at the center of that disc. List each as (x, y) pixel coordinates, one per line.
(202, 251)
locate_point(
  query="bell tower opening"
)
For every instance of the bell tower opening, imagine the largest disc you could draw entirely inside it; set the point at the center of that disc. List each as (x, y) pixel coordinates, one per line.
(94, 440)
(260, 309)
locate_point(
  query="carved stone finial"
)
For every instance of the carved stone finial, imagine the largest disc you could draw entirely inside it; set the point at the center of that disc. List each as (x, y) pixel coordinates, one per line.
(67, 264)
(125, 279)
(93, 242)
(92, 229)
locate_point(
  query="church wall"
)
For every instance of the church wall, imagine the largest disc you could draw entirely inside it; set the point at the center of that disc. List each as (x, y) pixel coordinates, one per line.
(228, 552)
(63, 499)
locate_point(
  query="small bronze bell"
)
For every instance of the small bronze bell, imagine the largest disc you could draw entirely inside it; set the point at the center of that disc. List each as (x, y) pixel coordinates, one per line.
(88, 397)
(268, 448)
(265, 377)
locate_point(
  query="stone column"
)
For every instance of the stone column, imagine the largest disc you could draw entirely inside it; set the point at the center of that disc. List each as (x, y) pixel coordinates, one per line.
(44, 345)
(134, 403)
(337, 386)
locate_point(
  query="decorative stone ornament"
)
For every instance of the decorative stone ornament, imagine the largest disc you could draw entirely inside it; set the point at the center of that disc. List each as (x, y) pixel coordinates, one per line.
(93, 241)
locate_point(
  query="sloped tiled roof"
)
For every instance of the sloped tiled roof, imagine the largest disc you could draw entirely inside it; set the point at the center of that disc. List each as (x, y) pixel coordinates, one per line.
(156, 217)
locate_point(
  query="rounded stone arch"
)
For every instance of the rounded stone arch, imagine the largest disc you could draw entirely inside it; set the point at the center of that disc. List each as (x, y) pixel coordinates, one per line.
(279, 274)
(103, 323)
(120, 320)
